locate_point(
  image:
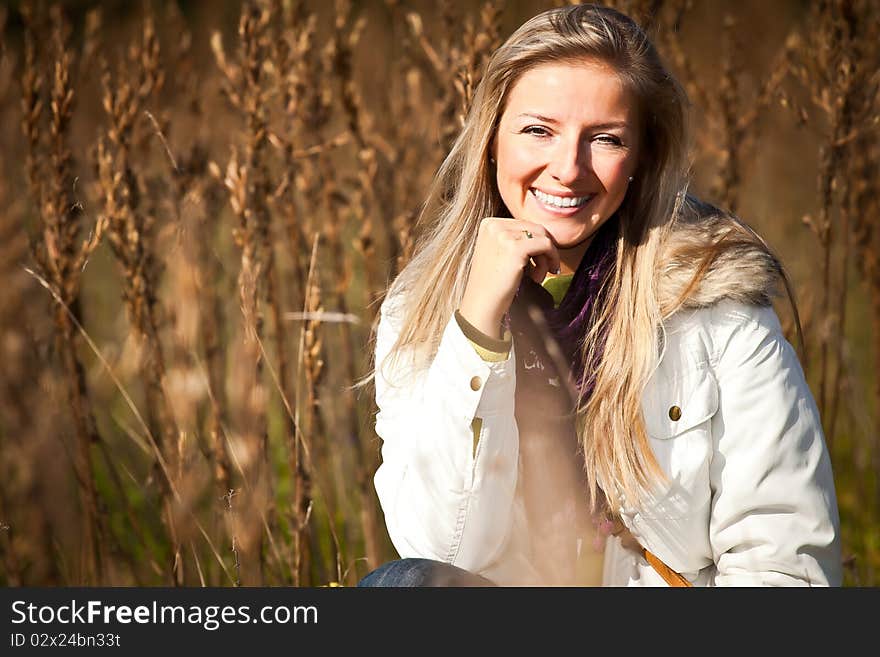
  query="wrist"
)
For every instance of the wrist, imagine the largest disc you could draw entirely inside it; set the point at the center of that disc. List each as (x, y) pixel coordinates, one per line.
(486, 322)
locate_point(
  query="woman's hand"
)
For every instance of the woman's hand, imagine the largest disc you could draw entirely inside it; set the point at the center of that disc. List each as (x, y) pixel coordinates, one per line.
(505, 249)
(614, 527)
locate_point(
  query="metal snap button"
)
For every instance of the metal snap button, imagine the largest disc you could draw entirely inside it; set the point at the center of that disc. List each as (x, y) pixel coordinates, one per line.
(674, 413)
(476, 383)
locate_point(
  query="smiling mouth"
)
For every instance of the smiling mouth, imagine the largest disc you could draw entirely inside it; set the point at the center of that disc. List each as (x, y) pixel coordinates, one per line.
(561, 202)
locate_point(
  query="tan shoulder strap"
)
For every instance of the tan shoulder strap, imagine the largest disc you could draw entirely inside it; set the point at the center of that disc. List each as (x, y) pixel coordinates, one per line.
(669, 576)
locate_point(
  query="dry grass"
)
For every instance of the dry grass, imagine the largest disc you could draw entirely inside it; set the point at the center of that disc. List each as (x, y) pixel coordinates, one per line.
(212, 209)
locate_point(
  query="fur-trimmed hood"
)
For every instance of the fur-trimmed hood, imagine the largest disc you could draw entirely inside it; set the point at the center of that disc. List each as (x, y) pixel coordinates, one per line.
(711, 255)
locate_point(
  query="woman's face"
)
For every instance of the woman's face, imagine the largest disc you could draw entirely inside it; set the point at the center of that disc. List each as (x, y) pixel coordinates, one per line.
(566, 145)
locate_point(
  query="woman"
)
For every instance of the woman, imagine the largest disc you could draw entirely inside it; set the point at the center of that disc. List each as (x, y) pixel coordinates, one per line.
(576, 338)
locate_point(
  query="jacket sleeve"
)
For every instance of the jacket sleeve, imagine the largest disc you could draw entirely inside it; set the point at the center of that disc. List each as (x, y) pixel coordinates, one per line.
(774, 518)
(442, 500)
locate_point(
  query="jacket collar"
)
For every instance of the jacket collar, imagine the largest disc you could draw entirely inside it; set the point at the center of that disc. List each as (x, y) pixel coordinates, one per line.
(740, 266)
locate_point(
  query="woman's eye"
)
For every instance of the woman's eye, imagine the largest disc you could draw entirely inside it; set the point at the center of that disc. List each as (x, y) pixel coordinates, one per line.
(608, 139)
(537, 130)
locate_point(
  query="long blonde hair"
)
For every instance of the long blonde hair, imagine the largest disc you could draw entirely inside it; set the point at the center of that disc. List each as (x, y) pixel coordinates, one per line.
(617, 454)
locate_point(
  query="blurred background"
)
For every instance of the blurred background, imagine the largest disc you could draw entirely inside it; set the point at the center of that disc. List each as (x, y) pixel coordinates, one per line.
(201, 202)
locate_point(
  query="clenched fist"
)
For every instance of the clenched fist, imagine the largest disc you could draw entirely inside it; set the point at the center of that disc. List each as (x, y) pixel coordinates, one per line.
(505, 249)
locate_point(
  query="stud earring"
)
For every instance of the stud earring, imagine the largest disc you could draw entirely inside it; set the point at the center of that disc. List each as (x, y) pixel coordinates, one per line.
(630, 179)
(491, 160)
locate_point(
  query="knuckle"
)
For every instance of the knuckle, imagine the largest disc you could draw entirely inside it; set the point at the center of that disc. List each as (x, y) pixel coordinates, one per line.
(487, 225)
(492, 223)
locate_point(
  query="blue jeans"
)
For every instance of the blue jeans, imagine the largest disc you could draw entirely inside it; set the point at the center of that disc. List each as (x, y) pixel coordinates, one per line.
(422, 572)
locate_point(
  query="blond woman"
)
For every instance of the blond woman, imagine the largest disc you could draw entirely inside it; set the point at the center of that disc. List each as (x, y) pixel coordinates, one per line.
(577, 345)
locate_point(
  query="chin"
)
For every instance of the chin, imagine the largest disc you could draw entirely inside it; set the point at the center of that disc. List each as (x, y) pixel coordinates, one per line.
(568, 239)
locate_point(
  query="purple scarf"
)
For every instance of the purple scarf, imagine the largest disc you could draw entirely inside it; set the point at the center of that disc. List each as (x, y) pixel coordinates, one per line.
(573, 319)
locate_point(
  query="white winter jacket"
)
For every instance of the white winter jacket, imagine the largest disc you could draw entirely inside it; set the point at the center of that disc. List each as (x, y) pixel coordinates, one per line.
(750, 498)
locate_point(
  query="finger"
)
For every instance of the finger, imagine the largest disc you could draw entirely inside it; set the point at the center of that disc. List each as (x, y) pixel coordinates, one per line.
(544, 243)
(538, 271)
(609, 527)
(604, 526)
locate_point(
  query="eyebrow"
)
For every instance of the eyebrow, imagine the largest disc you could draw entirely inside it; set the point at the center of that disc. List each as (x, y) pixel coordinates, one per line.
(595, 126)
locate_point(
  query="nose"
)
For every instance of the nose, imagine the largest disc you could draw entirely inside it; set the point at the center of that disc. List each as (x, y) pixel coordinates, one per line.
(569, 162)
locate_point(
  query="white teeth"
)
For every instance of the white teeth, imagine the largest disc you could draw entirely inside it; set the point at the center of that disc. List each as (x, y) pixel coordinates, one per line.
(560, 201)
